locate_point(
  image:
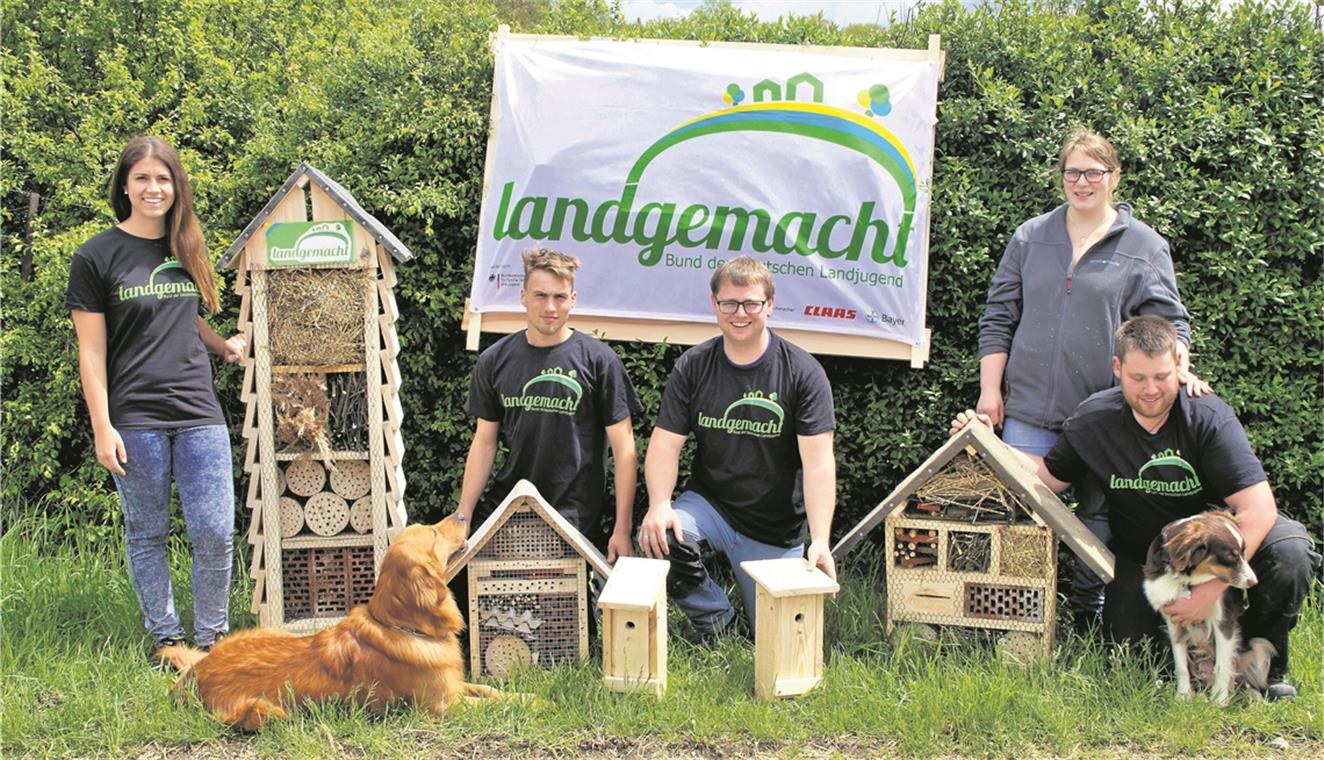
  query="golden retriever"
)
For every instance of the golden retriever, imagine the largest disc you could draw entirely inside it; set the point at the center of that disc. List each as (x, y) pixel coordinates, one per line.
(403, 645)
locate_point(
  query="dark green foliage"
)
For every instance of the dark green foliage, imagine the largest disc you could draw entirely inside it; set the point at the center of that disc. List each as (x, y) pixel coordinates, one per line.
(1217, 115)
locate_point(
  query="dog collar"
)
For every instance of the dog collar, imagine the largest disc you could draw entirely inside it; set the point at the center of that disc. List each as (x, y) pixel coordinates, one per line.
(410, 631)
(402, 629)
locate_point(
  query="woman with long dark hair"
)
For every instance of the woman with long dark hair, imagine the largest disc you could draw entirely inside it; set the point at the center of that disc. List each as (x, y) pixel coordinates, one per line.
(135, 292)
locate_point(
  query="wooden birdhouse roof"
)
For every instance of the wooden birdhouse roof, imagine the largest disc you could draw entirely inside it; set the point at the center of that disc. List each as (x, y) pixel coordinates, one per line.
(342, 197)
(1005, 463)
(524, 494)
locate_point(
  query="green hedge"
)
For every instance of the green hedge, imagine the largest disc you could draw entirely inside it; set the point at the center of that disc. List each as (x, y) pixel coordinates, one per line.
(1217, 115)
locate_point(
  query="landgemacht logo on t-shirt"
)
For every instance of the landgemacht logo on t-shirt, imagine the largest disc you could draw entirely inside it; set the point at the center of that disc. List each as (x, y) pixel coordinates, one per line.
(551, 390)
(1165, 474)
(749, 408)
(159, 290)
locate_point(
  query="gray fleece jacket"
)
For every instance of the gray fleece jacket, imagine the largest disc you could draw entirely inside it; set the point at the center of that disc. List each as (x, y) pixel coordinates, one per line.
(1057, 325)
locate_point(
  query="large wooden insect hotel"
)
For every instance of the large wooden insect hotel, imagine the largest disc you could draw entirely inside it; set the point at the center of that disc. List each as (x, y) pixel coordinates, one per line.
(321, 388)
(971, 542)
(528, 586)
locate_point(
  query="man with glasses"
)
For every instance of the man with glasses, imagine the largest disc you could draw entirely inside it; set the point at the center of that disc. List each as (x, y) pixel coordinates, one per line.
(760, 410)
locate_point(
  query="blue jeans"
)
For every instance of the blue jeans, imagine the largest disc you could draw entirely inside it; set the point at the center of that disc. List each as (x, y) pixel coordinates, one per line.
(1087, 588)
(699, 597)
(1028, 438)
(198, 460)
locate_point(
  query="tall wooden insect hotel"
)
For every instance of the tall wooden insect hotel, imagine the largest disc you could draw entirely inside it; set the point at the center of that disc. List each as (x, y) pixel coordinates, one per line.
(971, 542)
(321, 388)
(528, 586)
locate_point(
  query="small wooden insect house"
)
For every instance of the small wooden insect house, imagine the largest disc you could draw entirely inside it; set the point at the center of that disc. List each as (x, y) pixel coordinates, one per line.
(971, 542)
(528, 586)
(321, 385)
(788, 625)
(634, 626)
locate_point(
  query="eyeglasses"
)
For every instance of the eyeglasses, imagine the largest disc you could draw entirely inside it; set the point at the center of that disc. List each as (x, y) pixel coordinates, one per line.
(751, 307)
(1093, 176)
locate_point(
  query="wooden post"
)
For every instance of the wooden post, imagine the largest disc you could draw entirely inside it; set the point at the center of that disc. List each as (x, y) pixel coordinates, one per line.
(788, 626)
(25, 270)
(634, 626)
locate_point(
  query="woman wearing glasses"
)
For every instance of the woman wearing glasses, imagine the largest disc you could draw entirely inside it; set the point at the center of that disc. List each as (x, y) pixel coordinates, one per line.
(1066, 281)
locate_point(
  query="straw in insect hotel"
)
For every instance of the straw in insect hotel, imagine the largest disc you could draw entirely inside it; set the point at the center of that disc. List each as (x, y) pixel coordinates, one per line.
(301, 408)
(1024, 554)
(317, 316)
(966, 488)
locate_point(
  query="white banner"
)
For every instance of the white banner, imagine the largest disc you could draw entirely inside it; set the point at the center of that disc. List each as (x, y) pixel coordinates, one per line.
(654, 161)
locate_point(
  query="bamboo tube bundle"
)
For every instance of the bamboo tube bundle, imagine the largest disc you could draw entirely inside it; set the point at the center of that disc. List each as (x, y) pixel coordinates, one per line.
(970, 552)
(347, 394)
(915, 548)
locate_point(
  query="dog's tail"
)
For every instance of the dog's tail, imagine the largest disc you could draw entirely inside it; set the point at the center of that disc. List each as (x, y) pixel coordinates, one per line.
(181, 658)
(1253, 664)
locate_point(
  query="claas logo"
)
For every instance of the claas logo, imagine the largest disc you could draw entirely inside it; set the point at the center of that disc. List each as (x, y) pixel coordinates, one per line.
(829, 312)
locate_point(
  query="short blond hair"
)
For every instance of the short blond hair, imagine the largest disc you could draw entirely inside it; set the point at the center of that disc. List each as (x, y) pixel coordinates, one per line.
(555, 263)
(1092, 144)
(742, 271)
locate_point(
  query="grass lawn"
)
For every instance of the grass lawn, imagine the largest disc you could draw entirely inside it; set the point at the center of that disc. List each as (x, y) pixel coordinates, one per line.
(76, 684)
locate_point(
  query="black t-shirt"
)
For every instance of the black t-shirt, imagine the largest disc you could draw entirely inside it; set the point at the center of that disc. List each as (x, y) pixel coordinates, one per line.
(745, 420)
(1197, 459)
(552, 405)
(158, 374)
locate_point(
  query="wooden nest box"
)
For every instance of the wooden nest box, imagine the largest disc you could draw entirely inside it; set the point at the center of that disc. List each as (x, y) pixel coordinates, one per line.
(321, 389)
(788, 626)
(971, 541)
(634, 626)
(528, 586)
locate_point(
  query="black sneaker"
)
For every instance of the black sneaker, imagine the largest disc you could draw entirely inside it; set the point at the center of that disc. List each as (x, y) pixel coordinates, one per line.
(162, 643)
(209, 647)
(1280, 691)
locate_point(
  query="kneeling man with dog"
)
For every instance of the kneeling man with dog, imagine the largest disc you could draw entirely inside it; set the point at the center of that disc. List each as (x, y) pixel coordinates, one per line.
(1159, 456)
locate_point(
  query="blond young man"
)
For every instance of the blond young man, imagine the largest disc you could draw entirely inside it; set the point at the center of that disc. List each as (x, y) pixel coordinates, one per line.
(556, 398)
(760, 410)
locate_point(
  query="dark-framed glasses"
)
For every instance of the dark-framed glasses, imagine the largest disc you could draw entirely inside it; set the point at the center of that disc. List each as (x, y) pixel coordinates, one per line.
(750, 307)
(1092, 176)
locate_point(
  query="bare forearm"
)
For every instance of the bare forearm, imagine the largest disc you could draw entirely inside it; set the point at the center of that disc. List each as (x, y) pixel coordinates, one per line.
(92, 373)
(820, 499)
(991, 369)
(626, 481)
(625, 459)
(477, 469)
(214, 342)
(1256, 511)
(660, 473)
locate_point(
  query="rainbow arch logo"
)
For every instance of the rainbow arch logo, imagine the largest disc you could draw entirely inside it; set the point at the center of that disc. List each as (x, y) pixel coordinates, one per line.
(815, 121)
